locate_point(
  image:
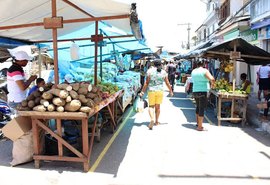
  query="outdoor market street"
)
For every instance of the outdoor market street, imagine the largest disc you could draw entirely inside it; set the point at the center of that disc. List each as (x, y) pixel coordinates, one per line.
(172, 153)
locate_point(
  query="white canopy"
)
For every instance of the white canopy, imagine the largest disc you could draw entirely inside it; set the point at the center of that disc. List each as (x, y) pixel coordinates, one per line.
(17, 12)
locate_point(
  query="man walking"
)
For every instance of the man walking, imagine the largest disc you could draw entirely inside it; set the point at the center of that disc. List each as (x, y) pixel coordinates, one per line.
(171, 69)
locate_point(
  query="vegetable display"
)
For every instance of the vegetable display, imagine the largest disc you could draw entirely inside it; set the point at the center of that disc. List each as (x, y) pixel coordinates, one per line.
(74, 97)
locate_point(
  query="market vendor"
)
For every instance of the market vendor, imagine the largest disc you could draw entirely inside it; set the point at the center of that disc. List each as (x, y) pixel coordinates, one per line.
(16, 83)
(246, 85)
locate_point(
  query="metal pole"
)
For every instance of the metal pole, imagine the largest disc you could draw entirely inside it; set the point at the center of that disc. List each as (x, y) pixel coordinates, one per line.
(188, 43)
(188, 29)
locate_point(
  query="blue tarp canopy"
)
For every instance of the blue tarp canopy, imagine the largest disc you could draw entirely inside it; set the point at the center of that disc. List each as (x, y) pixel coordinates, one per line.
(110, 46)
(11, 43)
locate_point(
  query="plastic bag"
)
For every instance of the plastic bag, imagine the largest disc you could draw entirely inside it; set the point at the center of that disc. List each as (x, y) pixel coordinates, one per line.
(138, 105)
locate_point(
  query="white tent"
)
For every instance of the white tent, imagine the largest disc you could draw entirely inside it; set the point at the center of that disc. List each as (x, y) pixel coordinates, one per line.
(29, 12)
(26, 21)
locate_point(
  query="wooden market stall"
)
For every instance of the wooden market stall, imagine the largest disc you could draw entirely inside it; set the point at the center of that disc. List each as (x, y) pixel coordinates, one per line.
(235, 50)
(32, 28)
(39, 122)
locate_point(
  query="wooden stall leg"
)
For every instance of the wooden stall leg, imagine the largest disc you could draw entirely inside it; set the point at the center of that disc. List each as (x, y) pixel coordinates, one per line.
(85, 144)
(36, 141)
(244, 113)
(59, 131)
(219, 111)
(232, 108)
(113, 124)
(92, 137)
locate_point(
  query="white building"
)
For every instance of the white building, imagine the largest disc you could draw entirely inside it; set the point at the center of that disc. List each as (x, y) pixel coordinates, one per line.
(228, 19)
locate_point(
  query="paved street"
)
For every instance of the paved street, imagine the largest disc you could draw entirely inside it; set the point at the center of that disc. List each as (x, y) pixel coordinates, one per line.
(172, 153)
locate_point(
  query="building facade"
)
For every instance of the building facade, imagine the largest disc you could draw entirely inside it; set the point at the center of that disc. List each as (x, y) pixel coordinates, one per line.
(228, 19)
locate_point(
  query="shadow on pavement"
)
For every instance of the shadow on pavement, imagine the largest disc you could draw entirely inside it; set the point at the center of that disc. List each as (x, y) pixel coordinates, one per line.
(190, 126)
(251, 177)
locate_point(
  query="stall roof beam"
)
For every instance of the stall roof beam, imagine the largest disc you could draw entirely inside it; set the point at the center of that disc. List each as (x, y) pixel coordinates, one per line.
(67, 21)
(87, 45)
(108, 54)
(245, 56)
(88, 38)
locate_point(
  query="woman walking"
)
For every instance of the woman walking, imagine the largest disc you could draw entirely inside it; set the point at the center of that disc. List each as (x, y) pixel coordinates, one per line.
(155, 78)
(201, 78)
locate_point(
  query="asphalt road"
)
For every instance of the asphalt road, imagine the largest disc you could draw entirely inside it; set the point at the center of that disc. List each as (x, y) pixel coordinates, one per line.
(172, 153)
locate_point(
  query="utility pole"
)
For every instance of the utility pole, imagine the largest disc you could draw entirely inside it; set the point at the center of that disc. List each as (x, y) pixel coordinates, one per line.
(188, 29)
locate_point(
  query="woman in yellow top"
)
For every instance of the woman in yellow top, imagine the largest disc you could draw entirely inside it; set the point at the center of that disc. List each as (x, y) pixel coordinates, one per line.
(246, 85)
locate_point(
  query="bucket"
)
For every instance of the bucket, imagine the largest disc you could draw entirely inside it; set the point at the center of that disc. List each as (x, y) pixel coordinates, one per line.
(184, 79)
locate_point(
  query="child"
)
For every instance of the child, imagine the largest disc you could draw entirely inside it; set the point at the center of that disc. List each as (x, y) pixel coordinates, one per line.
(40, 82)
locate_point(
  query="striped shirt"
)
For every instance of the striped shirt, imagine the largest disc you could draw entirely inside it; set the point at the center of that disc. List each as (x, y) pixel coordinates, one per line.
(15, 73)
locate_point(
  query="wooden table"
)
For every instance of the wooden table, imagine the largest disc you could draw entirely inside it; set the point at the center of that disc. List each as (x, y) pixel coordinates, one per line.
(39, 122)
(230, 97)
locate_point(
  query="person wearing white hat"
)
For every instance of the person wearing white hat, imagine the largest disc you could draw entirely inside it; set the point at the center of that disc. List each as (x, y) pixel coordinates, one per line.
(16, 82)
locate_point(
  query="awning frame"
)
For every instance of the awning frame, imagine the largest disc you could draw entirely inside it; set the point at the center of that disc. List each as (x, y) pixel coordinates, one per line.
(54, 32)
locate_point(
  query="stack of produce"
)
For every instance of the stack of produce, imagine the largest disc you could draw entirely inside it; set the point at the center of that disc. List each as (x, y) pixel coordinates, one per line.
(64, 97)
(226, 66)
(223, 85)
(107, 89)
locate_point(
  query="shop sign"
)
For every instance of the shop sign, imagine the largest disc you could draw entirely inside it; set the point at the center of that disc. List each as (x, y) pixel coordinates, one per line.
(260, 24)
(235, 55)
(231, 35)
(250, 35)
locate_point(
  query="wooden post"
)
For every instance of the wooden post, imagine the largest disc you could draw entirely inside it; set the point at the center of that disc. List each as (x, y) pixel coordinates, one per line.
(55, 52)
(96, 53)
(234, 65)
(39, 62)
(233, 75)
(100, 58)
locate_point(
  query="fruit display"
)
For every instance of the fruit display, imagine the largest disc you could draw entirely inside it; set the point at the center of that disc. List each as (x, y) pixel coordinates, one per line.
(226, 66)
(223, 86)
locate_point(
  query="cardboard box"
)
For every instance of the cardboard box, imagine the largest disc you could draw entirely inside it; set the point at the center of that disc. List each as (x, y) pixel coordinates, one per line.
(17, 127)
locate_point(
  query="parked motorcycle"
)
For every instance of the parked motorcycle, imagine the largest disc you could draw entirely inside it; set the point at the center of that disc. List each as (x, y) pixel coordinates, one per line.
(6, 112)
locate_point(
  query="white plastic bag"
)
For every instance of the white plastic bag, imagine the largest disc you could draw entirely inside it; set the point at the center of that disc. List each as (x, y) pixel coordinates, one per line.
(74, 51)
(138, 105)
